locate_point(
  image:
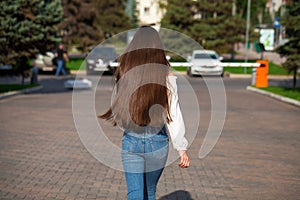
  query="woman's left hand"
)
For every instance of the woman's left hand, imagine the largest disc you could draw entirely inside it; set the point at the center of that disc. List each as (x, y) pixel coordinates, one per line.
(184, 160)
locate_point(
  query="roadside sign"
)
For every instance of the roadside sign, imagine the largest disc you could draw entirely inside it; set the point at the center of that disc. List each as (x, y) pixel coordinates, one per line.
(267, 38)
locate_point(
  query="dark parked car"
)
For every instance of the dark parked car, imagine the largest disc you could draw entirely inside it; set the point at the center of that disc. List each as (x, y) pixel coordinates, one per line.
(101, 59)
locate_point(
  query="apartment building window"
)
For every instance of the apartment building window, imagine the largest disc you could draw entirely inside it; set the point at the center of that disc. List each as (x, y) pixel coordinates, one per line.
(146, 10)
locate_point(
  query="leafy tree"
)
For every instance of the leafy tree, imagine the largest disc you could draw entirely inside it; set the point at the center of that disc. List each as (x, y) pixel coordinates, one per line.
(112, 17)
(26, 27)
(87, 23)
(211, 23)
(292, 48)
(79, 25)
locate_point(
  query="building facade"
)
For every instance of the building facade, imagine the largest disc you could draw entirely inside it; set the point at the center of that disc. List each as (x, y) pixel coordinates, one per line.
(150, 12)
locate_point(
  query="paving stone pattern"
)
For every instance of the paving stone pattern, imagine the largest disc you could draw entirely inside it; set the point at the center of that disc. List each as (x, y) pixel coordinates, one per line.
(256, 157)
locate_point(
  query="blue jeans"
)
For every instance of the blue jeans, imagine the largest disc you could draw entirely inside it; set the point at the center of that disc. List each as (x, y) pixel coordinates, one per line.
(144, 156)
(60, 67)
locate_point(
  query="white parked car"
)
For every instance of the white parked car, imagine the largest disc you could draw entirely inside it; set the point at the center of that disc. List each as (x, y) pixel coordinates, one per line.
(44, 62)
(205, 62)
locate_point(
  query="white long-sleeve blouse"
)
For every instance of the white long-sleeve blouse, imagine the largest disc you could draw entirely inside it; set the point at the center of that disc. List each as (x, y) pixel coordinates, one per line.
(176, 127)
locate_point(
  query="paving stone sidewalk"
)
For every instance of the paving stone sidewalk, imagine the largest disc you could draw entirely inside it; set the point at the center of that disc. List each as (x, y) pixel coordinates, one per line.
(256, 157)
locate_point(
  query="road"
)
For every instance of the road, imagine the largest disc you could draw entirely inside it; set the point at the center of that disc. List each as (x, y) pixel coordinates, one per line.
(256, 156)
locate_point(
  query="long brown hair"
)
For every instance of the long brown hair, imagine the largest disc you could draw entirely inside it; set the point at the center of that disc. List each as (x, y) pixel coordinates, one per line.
(141, 84)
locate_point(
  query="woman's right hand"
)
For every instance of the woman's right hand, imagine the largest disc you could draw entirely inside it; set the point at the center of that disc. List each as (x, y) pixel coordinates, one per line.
(184, 159)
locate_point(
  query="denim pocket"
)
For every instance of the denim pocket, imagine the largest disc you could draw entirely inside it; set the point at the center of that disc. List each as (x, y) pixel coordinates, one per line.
(129, 143)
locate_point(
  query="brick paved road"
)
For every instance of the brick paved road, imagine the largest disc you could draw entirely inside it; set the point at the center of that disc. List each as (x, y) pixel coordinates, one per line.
(256, 157)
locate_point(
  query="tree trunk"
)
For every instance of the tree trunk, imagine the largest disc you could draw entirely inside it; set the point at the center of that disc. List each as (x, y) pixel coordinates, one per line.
(22, 79)
(295, 78)
(232, 52)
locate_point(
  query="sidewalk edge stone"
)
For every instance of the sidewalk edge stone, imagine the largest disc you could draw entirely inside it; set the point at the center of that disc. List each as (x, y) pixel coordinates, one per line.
(274, 96)
(232, 75)
(77, 72)
(24, 91)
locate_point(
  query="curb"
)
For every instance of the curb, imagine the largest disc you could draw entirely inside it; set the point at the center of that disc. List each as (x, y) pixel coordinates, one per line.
(230, 75)
(278, 77)
(274, 96)
(75, 72)
(24, 91)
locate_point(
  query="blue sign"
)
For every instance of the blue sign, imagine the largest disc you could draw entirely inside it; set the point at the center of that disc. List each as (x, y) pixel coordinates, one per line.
(276, 22)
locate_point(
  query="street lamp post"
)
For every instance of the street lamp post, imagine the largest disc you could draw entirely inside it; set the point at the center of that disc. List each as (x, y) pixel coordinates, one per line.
(247, 33)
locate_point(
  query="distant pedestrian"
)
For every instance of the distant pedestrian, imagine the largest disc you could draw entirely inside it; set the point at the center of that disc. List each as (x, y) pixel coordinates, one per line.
(61, 57)
(135, 109)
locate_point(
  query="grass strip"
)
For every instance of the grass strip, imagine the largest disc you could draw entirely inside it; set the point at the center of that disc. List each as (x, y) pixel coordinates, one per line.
(75, 64)
(286, 92)
(274, 69)
(180, 69)
(14, 87)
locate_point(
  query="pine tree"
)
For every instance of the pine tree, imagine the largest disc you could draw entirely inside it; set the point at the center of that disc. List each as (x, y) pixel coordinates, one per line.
(258, 15)
(292, 48)
(27, 27)
(179, 15)
(233, 30)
